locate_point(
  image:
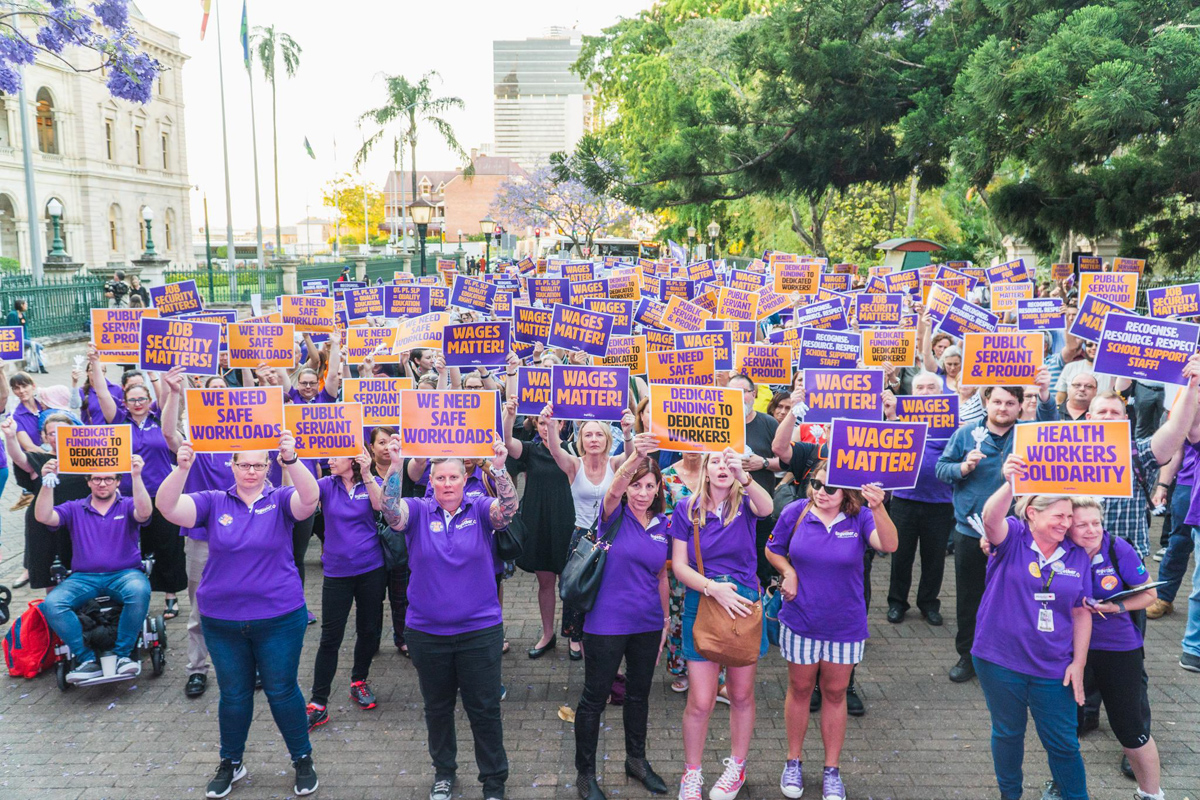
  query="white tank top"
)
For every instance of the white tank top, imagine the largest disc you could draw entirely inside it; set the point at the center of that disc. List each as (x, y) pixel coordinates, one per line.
(588, 496)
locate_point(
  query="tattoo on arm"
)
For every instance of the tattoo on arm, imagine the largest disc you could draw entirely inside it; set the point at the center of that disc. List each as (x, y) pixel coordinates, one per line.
(395, 510)
(504, 507)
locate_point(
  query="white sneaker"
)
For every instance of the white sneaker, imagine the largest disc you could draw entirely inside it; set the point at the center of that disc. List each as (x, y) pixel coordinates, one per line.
(1158, 556)
(730, 782)
(690, 786)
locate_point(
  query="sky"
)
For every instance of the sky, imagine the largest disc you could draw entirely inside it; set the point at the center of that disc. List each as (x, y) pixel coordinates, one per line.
(348, 46)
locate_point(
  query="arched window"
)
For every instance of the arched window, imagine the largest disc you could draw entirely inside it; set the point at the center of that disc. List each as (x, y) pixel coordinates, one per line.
(47, 134)
(114, 228)
(5, 138)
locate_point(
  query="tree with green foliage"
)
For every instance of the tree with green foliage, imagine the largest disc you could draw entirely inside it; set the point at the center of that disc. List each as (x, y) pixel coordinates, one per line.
(345, 193)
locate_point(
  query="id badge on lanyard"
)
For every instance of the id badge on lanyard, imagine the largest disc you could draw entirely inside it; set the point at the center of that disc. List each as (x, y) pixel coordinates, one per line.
(1045, 623)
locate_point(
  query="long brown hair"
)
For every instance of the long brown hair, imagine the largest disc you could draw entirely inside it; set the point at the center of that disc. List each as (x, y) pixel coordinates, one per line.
(702, 496)
(852, 499)
(649, 466)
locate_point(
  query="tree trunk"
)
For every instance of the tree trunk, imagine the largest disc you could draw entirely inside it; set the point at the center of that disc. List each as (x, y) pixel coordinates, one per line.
(912, 203)
(275, 142)
(412, 143)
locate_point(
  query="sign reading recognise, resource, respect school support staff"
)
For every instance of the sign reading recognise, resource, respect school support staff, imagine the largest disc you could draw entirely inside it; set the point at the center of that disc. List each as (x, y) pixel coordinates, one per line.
(12, 343)
(697, 419)
(175, 298)
(533, 390)
(843, 393)
(379, 398)
(235, 420)
(448, 424)
(897, 347)
(475, 344)
(308, 313)
(116, 332)
(1174, 301)
(764, 363)
(887, 454)
(167, 343)
(576, 329)
(829, 315)
(1001, 359)
(1074, 458)
(1118, 288)
(828, 349)
(963, 317)
(83, 449)
(589, 392)
(1145, 349)
(326, 430)
(1041, 314)
(251, 344)
(938, 411)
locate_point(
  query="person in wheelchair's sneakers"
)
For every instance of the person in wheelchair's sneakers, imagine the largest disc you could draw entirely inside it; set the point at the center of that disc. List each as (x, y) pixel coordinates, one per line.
(104, 529)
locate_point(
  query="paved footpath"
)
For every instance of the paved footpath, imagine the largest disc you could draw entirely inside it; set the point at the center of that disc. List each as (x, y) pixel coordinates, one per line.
(922, 737)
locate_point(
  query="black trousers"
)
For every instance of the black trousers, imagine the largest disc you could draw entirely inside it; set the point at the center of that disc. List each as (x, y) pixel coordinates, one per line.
(604, 655)
(1093, 695)
(398, 599)
(762, 532)
(1119, 678)
(161, 539)
(365, 593)
(302, 531)
(925, 527)
(970, 572)
(470, 663)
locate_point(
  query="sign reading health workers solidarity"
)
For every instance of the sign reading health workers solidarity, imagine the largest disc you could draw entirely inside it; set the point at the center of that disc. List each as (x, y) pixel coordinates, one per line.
(1075, 458)
(587, 392)
(1002, 359)
(843, 393)
(1145, 349)
(697, 419)
(887, 454)
(235, 420)
(167, 343)
(449, 424)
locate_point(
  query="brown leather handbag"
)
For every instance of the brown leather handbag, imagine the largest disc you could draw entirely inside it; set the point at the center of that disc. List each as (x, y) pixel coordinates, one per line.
(731, 642)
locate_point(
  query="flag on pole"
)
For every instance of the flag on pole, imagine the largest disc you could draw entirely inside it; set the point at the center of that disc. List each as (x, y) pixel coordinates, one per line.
(245, 34)
(206, 5)
(308, 149)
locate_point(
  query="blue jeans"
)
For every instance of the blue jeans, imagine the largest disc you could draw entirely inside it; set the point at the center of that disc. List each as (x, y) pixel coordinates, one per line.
(272, 646)
(691, 606)
(1179, 545)
(1010, 697)
(131, 586)
(1191, 636)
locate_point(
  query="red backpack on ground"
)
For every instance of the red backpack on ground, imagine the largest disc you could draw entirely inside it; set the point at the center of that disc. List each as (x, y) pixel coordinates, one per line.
(29, 643)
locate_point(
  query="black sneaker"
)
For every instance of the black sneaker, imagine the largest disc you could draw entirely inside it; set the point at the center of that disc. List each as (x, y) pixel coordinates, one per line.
(442, 788)
(854, 703)
(227, 775)
(1188, 661)
(814, 702)
(317, 716)
(361, 693)
(1050, 791)
(963, 671)
(306, 776)
(1087, 723)
(85, 672)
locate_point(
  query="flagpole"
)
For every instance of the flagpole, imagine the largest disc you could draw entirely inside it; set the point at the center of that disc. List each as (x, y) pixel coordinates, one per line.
(230, 250)
(245, 35)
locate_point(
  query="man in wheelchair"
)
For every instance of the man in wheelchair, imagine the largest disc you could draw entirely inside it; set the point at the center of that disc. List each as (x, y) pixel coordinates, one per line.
(107, 560)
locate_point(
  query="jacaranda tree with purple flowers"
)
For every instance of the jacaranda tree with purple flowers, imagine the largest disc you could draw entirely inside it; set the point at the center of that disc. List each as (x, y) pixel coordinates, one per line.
(61, 24)
(540, 201)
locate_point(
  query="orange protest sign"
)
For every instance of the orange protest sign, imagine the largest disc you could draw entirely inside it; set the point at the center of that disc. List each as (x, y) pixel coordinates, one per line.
(1002, 359)
(682, 315)
(764, 363)
(802, 277)
(697, 419)
(272, 319)
(627, 351)
(235, 420)
(736, 304)
(1118, 288)
(251, 344)
(379, 398)
(888, 345)
(682, 367)
(325, 430)
(1006, 295)
(83, 449)
(1061, 271)
(423, 331)
(771, 303)
(1075, 458)
(375, 343)
(308, 312)
(115, 333)
(444, 424)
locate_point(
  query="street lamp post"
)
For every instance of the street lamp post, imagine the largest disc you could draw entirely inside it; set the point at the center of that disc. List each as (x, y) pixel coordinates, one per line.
(691, 232)
(537, 243)
(57, 252)
(148, 218)
(487, 226)
(459, 253)
(714, 230)
(421, 212)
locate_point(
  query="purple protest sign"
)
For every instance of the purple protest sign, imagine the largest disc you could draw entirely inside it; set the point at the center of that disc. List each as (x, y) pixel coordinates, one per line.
(551, 291)
(1089, 321)
(221, 316)
(1041, 314)
(315, 286)
(946, 271)
(720, 341)
(1174, 301)
(476, 344)
(340, 286)
(621, 310)
(938, 411)
(12, 343)
(963, 317)
(176, 298)
(531, 325)
(166, 343)
(533, 390)
(843, 393)
(365, 302)
(821, 349)
(587, 392)
(887, 454)
(878, 310)
(1143, 348)
(837, 282)
(829, 315)
(575, 329)
(406, 301)
(472, 294)
(744, 331)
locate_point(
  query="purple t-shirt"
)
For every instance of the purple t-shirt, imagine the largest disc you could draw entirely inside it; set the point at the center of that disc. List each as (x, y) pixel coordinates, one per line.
(1187, 470)
(151, 445)
(250, 573)
(1007, 630)
(829, 602)
(27, 421)
(628, 601)
(351, 537)
(1117, 631)
(726, 549)
(90, 412)
(929, 489)
(102, 542)
(452, 586)
(321, 396)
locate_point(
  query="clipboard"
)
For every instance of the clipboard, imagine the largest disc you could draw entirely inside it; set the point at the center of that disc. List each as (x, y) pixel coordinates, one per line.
(1128, 593)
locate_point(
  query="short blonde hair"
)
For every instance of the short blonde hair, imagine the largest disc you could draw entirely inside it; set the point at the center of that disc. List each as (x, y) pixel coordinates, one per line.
(1038, 502)
(1087, 502)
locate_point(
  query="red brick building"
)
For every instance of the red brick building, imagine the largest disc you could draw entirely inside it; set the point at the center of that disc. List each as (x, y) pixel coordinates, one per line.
(459, 202)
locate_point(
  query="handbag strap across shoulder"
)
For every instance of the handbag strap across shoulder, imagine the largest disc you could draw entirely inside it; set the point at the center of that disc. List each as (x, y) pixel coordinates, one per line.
(696, 536)
(614, 525)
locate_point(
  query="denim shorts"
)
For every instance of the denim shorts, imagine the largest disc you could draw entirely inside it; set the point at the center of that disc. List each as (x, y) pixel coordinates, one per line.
(691, 603)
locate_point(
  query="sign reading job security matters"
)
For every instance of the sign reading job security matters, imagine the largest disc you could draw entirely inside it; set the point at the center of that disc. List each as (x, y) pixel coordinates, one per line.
(1075, 458)
(176, 298)
(167, 343)
(1174, 301)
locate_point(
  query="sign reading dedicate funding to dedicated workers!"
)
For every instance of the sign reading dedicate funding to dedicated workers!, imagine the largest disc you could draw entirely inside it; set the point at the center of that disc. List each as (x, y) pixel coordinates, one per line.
(83, 449)
(1074, 458)
(697, 419)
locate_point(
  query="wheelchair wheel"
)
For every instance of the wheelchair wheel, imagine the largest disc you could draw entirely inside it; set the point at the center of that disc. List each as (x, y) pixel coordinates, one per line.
(60, 676)
(158, 660)
(160, 625)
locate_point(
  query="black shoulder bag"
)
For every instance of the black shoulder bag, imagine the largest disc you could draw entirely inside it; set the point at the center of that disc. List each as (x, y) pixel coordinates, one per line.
(580, 581)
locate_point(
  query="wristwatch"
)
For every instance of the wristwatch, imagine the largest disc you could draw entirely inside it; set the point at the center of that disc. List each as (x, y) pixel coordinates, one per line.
(285, 462)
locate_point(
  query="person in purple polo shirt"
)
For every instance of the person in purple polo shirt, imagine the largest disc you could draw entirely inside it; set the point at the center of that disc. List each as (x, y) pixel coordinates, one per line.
(354, 576)
(817, 546)
(1032, 634)
(251, 598)
(455, 646)
(106, 560)
(630, 616)
(723, 514)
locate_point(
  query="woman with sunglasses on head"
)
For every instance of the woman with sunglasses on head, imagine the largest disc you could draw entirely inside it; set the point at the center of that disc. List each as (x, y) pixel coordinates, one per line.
(160, 537)
(723, 515)
(818, 546)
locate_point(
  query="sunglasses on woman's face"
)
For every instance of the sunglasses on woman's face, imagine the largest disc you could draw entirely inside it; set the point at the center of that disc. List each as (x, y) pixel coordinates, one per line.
(819, 485)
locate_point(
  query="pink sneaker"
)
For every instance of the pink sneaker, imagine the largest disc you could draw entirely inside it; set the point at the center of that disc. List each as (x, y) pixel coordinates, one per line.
(690, 785)
(730, 782)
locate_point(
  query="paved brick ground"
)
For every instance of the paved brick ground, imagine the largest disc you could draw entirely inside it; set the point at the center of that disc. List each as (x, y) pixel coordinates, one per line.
(922, 737)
